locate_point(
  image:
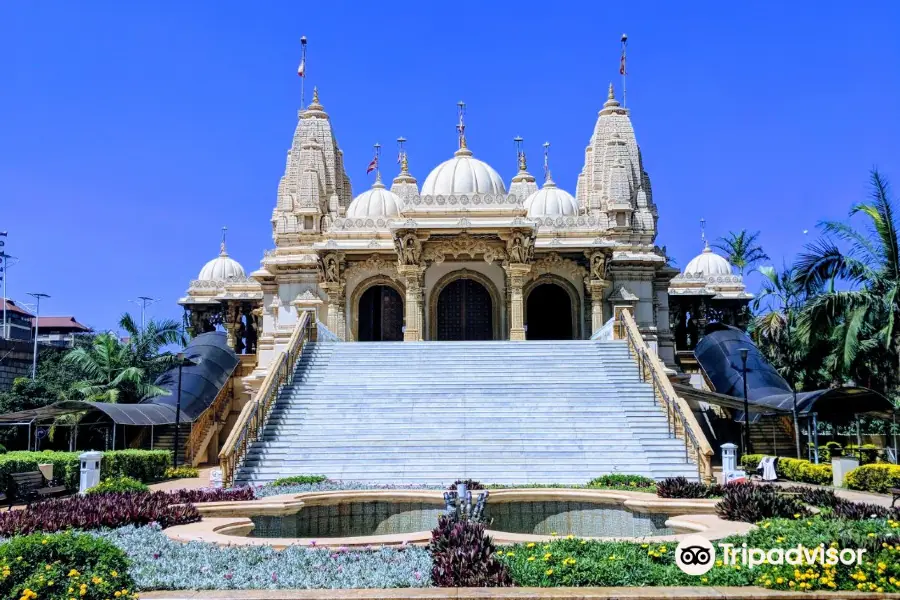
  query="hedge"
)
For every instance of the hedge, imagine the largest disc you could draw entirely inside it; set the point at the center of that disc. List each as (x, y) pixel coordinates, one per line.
(874, 478)
(793, 469)
(143, 465)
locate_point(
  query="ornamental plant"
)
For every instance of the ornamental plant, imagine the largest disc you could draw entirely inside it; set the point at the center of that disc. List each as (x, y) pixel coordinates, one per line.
(96, 511)
(793, 469)
(622, 480)
(182, 472)
(118, 485)
(680, 487)
(63, 566)
(143, 465)
(198, 495)
(299, 480)
(874, 478)
(464, 556)
(752, 503)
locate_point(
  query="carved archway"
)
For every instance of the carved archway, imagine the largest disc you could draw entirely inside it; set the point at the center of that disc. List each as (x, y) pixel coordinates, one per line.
(480, 278)
(360, 289)
(574, 299)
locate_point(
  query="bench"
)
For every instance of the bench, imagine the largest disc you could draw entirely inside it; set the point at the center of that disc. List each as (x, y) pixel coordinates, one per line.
(31, 486)
(895, 495)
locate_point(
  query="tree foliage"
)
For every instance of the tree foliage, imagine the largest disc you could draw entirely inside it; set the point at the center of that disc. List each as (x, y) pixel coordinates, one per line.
(742, 249)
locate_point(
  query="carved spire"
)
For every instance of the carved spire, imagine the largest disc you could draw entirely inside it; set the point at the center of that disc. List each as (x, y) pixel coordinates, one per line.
(461, 129)
(404, 184)
(548, 178)
(222, 251)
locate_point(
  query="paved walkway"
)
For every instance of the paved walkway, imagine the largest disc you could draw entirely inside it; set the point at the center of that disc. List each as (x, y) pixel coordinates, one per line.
(515, 593)
(852, 495)
(179, 484)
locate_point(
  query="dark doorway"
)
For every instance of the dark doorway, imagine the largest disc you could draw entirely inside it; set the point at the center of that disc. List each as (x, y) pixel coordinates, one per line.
(548, 313)
(464, 312)
(380, 315)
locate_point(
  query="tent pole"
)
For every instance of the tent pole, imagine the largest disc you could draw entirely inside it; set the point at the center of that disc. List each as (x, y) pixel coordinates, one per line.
(896, 457)
(28, 446)
(815, 420)
(114, 436)
(151, 437)
(858, 439)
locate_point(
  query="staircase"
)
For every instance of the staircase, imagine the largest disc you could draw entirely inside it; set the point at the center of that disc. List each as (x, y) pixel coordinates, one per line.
(498, 412)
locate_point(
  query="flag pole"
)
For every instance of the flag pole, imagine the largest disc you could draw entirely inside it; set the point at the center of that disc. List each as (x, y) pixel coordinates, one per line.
(302, 72)
(623, 69)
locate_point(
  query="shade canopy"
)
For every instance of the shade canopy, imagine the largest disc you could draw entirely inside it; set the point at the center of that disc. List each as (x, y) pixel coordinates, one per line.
(719, 354)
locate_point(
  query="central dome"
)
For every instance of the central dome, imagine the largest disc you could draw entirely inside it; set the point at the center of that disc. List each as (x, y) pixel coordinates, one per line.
(463, 174)
(376, 202)
(221, 268)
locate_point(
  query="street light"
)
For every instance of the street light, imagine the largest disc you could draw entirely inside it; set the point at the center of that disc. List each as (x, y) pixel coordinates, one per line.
(37, 323)
(182, 362)
(744, 352)
(144, 301)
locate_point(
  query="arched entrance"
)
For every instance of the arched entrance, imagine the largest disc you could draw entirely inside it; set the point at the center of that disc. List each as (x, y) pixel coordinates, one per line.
(380, 315)
(548, 313)
(464, 311)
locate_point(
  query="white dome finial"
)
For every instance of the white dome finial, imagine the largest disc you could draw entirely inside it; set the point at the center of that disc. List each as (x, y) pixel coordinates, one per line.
(222, 251)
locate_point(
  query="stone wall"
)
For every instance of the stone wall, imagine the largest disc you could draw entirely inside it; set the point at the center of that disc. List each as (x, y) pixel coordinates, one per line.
(15, 361)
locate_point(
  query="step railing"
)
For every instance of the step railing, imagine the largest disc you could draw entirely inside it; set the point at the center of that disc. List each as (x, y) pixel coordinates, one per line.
(211, 417)
(679, 416)
(253, 417)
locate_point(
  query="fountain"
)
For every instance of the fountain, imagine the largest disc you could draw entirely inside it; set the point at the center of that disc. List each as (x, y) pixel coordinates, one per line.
(459, 504)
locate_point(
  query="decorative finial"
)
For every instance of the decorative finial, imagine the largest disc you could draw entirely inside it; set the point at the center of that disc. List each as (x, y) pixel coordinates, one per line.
(612, 93)
(520, 154)
(401, 156)
(547, 177)
(461, 126)
(222, 251)
(315, 95)
(703, 234)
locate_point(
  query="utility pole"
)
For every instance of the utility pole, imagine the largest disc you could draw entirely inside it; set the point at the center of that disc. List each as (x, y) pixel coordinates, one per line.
(4, 265)
(144, 302)
(37, 321)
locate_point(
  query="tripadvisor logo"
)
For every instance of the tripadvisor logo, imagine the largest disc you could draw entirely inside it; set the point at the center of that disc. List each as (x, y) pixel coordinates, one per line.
(695, 555)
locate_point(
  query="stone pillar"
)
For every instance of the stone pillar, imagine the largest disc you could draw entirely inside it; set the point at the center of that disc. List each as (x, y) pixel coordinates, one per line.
(308, 302)
(232, 322)
(414, 276)
(336, 315)
(597, 289)
(515, 280)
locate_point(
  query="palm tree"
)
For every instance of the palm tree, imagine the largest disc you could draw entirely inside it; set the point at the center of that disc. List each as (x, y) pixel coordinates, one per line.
(868, 264)
(109, 373)
(147, 345)
(742, 250)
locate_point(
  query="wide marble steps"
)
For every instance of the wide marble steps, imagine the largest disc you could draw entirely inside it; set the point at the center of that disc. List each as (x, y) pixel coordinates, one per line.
(499, 412)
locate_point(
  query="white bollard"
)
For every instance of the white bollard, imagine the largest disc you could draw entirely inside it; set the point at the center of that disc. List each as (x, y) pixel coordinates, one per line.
(90, 470)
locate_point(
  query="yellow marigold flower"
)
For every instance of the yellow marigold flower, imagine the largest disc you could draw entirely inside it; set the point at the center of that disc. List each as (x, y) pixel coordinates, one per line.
(663, 549)
(871, 535)
(530, 545)
(510, 553)
(117, 594)
(570, 536)
(114, 573)
(530, 558)
(796, 515)
(791, 583)
(552, 533)
(44, 541)
(704, 580)
(549, 572)
(779, 539)
(779, 580)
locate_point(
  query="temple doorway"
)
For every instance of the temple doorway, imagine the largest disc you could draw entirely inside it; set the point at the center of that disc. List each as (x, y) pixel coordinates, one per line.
(548, 313)
(464, 312)
(380, 315)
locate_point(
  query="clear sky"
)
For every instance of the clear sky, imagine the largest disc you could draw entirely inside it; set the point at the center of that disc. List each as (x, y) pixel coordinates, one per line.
(131, 132)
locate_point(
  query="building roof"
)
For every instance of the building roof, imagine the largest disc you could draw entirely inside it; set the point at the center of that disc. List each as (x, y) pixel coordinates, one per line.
(11, 306)
(60, 323)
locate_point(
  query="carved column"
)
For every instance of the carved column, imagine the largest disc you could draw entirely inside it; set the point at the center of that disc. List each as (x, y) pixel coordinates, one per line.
(231, 324)
(414, 277)
(515, 280)
(597, 290)
(336, 320)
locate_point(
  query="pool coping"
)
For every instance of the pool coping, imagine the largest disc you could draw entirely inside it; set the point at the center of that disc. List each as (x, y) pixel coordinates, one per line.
(228, 524)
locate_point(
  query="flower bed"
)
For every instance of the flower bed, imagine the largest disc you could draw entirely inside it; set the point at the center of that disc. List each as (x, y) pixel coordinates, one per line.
(158, 563)
(793, 469)
(143, 465)
(878, 478)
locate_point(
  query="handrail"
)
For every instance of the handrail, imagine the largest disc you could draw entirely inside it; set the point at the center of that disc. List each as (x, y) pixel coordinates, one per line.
(678, 412)
(209, 417)
(253, 417)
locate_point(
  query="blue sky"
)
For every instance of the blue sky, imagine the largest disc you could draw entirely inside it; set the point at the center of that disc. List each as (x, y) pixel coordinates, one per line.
(131, 132)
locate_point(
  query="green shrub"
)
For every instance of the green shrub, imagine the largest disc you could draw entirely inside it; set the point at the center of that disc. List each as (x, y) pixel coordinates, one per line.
(119, 484)
(3, 449)
(59, 566)
(299, 480)
(143, 465)
(182, 472)
(792, 469)
(877, 478)
(622, 480)
(867, 453)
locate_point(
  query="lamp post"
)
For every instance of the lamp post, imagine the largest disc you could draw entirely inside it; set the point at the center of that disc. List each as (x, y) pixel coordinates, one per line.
(143, 302)
(182, 362)
(37, 322)
(744, 352)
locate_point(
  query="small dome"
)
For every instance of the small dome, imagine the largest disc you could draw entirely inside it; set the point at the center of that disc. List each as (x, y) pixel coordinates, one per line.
(708, 264)
(463, 174)
(220, 268)
(376, 202)
(550, 201)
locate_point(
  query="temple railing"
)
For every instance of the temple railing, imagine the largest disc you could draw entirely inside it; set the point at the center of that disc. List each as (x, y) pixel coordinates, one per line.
(211, 417)
(253, 417)
(679, 416)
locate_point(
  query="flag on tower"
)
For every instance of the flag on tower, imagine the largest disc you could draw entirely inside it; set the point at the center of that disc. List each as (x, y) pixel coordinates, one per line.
(622, 69)
(372, 165)
(301, 70)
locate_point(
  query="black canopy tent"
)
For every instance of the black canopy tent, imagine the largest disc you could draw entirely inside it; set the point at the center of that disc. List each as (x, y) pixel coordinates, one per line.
(200, 384)
(719, 355)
